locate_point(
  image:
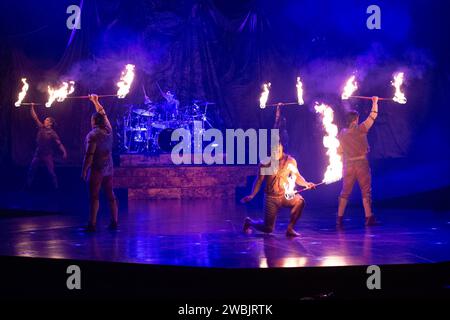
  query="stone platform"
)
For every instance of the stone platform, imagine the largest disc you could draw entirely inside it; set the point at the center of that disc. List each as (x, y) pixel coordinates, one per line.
(156, 177)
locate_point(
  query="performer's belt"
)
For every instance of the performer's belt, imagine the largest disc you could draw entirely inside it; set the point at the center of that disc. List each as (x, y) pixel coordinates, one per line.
(356, 158)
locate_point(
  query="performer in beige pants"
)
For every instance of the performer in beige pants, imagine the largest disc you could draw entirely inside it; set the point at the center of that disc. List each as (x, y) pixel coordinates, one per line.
(274, 198)
(354, 148)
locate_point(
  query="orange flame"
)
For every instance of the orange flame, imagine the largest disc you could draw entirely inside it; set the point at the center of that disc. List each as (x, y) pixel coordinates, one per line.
(61, 93)
(264, 95)
(350, 87)
(126, 79)
(399, 96)
(22, 93)
(300, 92)
(330, 141)
(289, 187)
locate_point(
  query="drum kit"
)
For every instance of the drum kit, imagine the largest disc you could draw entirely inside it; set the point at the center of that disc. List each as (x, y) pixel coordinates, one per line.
(147, 128)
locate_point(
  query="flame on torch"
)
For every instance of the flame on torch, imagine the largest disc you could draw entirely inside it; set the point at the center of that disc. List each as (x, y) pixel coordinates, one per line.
(264, 95)
(289, 187)
(126, 79)
(350, 87)
(330, 141)
(61, 93)
(300, 92)
(399, 96)
(22, 93)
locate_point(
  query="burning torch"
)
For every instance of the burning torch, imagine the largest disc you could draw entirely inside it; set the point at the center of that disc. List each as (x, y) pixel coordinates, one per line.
(351, 86)
(333, 172)
(124, 84)
(22, 93)
(265, 96)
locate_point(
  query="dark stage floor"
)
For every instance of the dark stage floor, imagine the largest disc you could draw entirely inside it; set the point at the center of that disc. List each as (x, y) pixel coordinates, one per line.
(208, 234)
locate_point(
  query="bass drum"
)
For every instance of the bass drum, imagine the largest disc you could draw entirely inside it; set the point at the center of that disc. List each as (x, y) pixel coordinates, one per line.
(164, 140)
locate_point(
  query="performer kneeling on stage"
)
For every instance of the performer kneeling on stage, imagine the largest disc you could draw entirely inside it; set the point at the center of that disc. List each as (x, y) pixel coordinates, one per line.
(274, 198)
(354, 148)
(46, 141)
(98, 165)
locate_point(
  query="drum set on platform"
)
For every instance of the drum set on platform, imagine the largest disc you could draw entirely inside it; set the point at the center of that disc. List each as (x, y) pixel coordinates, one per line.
(147, 128)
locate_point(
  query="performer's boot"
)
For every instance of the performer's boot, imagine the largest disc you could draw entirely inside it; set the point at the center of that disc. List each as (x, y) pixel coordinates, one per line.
(113, 225)
(341, 209)
(339, 221)
(247, 225)
(89, 228)
(370, 218)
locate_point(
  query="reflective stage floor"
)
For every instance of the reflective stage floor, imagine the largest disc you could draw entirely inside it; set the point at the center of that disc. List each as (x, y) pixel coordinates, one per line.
(208, 233)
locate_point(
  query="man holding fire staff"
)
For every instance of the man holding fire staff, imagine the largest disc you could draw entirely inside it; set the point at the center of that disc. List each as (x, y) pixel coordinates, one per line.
(354, 148)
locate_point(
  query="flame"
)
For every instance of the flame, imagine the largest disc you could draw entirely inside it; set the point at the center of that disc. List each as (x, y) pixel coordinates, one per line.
(330, 141)
(22, 93)
(264, 95)
(289, 187)
(399, 96)
(300, 92)
(350, 87)
(61, 93)
(126, 79)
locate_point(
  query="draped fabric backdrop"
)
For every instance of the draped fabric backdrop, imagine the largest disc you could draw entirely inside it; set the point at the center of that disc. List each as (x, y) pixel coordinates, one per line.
(222, 51)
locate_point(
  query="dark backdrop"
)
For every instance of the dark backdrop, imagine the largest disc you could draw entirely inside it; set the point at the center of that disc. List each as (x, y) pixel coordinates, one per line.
(223, 51)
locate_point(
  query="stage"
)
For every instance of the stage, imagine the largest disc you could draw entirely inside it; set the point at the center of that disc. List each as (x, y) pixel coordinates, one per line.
(195, 250)
(187, 117)
(208, 233)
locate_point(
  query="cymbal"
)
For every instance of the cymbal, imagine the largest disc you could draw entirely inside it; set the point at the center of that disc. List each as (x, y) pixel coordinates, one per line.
(158, 125)
(138, 129)
(143, 112)
(202, 103)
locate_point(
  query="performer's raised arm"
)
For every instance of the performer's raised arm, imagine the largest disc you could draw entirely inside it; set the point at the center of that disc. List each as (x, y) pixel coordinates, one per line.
(35, 117)
(368, 123)
(277, 123)
(99, 108)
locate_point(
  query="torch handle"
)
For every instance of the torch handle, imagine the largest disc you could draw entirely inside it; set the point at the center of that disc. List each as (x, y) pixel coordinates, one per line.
(281, 104)
(87, 97)
(369, 98)
(31, 104)
(304, 189)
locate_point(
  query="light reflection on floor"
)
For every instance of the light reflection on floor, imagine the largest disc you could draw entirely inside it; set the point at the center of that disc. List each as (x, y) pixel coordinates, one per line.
(208, 234)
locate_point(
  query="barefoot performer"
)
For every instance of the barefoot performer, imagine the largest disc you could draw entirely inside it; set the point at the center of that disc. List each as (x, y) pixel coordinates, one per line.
(98, 165)
(354, 148)
(274, 198)
(47, 139)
